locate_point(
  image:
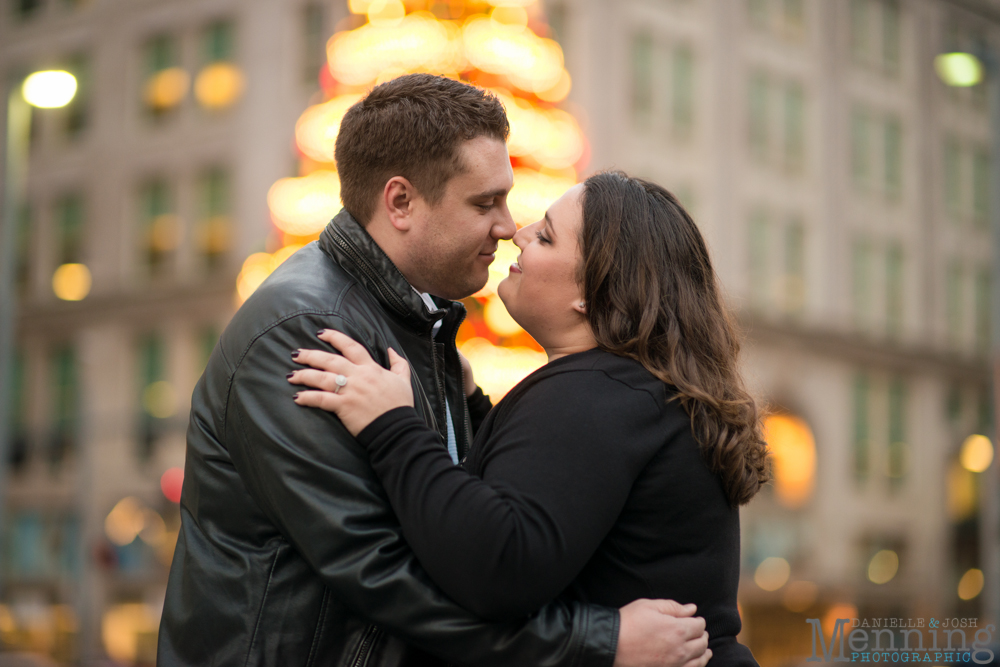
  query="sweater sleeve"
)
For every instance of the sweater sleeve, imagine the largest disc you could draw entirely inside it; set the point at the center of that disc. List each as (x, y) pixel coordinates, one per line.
(555, 476)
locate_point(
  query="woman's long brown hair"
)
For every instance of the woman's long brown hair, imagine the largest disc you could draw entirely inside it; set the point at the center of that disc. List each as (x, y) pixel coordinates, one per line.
(652, 295)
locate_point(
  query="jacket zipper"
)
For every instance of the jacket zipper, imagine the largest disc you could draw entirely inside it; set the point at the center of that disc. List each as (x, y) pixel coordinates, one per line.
(461, 374)
(367, 641)
(389, 294)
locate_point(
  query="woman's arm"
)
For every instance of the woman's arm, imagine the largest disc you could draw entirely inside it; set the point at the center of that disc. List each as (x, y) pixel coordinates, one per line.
(555, 475)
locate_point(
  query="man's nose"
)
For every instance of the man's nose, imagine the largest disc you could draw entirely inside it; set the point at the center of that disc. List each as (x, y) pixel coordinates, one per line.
(505, 227)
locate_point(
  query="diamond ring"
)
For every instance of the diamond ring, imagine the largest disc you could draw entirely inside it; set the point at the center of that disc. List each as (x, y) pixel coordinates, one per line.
(341, 383)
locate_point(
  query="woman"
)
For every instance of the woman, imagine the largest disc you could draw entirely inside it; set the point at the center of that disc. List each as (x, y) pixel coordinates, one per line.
(612, 473)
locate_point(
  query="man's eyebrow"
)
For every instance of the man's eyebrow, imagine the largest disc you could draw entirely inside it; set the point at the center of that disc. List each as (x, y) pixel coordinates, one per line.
(490, 195)
(548, 224)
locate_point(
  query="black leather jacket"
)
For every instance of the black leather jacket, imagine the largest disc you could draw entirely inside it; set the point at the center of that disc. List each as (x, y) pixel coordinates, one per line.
(289, 553)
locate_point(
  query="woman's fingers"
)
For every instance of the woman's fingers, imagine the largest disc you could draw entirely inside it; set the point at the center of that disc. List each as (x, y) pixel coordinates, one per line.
(319, 399)
(322, 380)
(398, 364)
(354, 351)
(324, 361)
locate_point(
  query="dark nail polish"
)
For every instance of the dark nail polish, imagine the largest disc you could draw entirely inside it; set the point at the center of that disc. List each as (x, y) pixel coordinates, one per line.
(321, 332)
(289, 376)
(295, 354)
(296, 395)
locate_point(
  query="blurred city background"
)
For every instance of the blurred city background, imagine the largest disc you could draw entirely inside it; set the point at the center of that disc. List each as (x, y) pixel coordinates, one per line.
(836, 158)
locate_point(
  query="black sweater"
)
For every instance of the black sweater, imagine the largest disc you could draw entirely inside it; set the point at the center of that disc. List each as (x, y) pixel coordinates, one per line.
(585, 481)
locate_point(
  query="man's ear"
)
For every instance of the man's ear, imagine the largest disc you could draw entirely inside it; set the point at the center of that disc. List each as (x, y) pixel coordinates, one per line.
(398, 198)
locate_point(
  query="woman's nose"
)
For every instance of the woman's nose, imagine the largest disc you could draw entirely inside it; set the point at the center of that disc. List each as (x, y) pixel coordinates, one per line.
(521, 236)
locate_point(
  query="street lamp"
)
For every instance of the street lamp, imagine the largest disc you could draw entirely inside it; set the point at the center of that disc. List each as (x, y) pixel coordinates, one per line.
(47, 90)
(961, 69)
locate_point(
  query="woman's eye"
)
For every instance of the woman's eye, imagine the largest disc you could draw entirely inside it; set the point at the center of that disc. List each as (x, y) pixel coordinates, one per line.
(541, 238)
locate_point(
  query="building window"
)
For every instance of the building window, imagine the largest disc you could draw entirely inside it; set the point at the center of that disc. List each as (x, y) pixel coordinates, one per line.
(642, 78)
(860, 30)
(758, 13)
(890, 36)
(984, 411)
(166, 83)
(860, 143)
(758, 246)
(157, 399)
(74, 118)
(897, 433)
(861, 283)
(214, 225)
(17, 453)
(313, 43)
(65, 404)
(983, 310)
(795, 267)
(981, 187)
(794, 15)
(758, 117)
(894, 281)
(954, 293)
(23, 10)
(22, 269)
(953, 177)
(794, 127)
(892, 138)
(683, 91)
(160, 228)
(861, 396)
(220, 82)
(69, 219)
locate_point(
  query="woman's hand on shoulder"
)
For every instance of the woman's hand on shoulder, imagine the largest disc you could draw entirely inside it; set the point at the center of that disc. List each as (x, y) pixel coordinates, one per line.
(351, 384)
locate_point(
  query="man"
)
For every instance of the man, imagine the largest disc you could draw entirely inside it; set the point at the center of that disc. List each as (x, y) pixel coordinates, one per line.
(289, 553)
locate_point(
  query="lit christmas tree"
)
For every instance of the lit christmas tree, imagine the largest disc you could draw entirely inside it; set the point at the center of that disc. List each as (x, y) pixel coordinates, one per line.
(499, 45)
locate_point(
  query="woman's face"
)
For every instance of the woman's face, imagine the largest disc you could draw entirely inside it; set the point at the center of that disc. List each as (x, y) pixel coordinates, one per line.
(541, 292)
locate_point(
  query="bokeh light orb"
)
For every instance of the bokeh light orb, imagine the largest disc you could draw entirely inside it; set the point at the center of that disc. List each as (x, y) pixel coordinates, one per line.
(977, 453)
(71, 282)
(772, 573)
(959, 69)
(219, 85)
(171, 483)
(50, 89)
(883, 566)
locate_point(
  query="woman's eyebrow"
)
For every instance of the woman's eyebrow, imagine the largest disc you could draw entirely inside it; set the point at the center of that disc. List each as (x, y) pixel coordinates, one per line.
(548, 224)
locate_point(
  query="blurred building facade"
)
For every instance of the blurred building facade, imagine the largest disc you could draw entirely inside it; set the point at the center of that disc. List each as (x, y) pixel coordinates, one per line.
(844, 191)
(154, 179)
(842, 188)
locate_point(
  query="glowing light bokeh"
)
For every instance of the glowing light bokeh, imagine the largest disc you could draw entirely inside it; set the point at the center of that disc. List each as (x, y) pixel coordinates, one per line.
(498, 319)
(533, 192)
(506, 255)
(302, 206)
(166, 89)
(497, 368)
(165, 233)
(71, 282)
(883, 566)
(125, 521)
(317, 128)
(159, 399)
(219, 85)
(171, 483)
(121, 627)
(772, 573)
(971, 584)
(977, 453)
(50, 89)
(959, 69)
(532, 63)
(962, 493)
(258, 266)
(793, 453)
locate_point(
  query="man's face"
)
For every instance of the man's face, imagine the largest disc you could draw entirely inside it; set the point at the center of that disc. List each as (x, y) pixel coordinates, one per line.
(452, 249)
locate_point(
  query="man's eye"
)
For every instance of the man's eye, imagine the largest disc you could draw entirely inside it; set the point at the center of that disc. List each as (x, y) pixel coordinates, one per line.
(485, 207)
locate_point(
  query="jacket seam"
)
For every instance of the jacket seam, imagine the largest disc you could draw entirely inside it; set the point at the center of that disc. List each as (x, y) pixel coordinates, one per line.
(320, 624)
(267, 329)
(263, 601)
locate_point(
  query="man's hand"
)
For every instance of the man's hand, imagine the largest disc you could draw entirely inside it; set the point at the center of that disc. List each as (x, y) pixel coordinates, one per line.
(661, 633)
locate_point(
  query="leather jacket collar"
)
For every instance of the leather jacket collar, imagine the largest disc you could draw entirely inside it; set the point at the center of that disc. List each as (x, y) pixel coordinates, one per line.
(350, 245)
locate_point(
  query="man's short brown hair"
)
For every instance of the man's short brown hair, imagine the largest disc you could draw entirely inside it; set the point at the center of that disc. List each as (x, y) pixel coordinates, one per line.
(411, 126)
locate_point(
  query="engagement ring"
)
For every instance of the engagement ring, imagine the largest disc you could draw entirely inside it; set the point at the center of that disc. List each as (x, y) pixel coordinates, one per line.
(341, 382)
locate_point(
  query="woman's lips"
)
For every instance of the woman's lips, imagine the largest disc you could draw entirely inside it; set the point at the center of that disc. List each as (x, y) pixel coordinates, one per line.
(515, 268)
